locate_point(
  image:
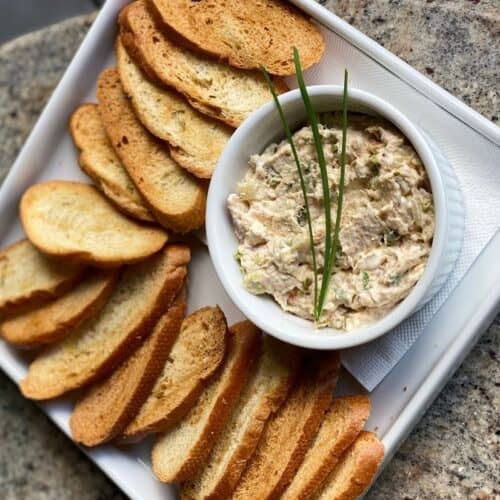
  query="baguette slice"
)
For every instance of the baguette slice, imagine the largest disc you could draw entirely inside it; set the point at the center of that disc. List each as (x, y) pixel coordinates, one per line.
(28, 277)
(179, 453)
(175, 197)
(212, 87)
(108, 406)
(195, 140)
(195, 356)
(99, 161)
(96, 347)
(73, 220)
(355, 471)
(342, 424)
(288, 434)
(52, 321)
(246, 34)
(266, 390)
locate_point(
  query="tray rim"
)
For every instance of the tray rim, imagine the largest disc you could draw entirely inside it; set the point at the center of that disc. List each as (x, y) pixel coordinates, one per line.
(440, 373)
(437, 94)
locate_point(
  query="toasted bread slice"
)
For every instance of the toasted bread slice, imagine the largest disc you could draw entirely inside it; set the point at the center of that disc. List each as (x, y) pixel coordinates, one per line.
(212, 87)
(195, 356)
(265, 391)
(99, 161)
(195, 140)
(180, 452)
(28, 277)
(73, 220)
(342, 424)
(109, 405)
(288, 434)
(52, 321)
(97, 346)
(246, 34)
(175, 197)
(355, 471)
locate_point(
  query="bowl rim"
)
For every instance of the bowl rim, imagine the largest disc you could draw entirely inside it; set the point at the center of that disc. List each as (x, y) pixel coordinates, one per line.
(328, 338)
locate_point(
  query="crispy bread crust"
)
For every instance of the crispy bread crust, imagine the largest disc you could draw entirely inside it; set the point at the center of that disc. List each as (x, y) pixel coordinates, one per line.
(69, 274)
(38, 224)
(235, 462)
(52, 321)
(342, 424)
(160, 418)
(104, 411)
(245, 343)
(355, 471)
(160, 55)
(246, 35)
(86, 119)
(36, 385)
(289, 433)
(176, 198)
(195, 140)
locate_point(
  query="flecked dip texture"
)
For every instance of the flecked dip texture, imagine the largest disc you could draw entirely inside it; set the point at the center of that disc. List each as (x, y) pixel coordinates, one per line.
(452, 453)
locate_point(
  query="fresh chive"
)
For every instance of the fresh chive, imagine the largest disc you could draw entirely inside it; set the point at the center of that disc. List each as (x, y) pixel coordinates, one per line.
(331, 242)
(288, 134)
(366, 280)
(313, 122)
(332, 258)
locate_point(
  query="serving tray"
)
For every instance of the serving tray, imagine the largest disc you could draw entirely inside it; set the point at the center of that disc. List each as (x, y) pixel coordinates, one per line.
(404, 395)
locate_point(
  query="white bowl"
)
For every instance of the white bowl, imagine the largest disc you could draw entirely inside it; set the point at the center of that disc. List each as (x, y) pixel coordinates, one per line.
(262, 128)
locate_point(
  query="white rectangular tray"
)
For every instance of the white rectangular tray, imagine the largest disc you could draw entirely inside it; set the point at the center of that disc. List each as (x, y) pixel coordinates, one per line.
(399, 401)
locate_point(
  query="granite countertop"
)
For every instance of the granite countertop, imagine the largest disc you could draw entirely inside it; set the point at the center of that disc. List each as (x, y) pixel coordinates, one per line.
(453, 452)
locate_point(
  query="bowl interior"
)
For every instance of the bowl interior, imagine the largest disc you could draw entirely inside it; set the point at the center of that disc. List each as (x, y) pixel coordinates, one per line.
(261, 129)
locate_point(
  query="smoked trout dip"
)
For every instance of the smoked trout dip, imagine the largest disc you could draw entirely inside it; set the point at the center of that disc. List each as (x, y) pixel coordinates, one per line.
(386, 228)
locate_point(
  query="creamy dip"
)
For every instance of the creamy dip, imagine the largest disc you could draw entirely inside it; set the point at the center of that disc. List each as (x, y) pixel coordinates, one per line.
(386, 228)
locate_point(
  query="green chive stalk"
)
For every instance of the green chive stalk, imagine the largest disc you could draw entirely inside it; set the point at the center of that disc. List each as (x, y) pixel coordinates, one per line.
(288, 134)
(313, 122)
(331, 241)
(332, 260)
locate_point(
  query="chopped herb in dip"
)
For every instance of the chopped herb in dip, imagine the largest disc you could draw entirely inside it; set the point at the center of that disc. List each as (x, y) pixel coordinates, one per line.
(385, 234)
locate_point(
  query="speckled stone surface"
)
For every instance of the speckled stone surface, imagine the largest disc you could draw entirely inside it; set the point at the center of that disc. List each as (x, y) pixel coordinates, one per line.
(453, 452)
(454, 42)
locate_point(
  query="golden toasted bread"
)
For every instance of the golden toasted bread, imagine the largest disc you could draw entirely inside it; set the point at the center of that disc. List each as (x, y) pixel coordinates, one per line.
(175, 197)
(196, 354)
(105, 410)
(180, 452)
(53, 320)
(342, 424)
(212, 87)
(288, 434)
(99, 161)
(246, 34)
(355, 470)
(196, 141)
(73, 220)
(267, 388)
(30, 278)
(143, 292)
